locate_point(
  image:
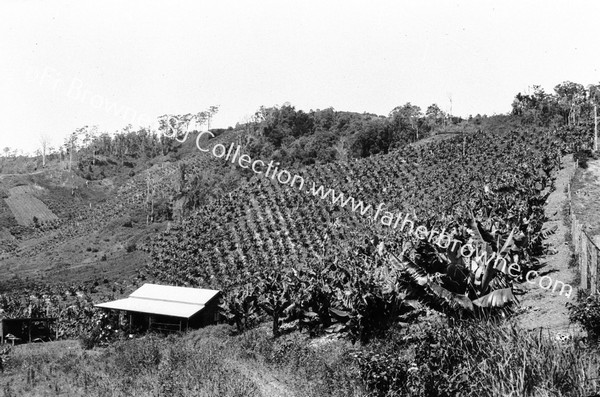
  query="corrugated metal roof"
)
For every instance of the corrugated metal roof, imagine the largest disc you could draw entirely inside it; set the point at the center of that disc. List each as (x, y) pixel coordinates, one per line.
(167, 308)
(174, 294)
(164, 300)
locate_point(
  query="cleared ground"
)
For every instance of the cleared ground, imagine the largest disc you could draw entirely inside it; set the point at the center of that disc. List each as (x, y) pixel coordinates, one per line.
(25, 206)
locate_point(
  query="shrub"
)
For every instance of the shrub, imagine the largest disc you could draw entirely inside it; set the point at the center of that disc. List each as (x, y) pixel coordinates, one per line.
(131, 247)
(582, 157)
(587, 313)
(470, 359)
(91, 340)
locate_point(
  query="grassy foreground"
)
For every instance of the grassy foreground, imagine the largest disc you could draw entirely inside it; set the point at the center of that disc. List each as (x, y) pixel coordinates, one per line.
(426, 359)
(207, 362)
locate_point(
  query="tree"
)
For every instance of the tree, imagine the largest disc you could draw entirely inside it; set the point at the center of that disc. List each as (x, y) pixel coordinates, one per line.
(150, 195)
(434, 116)
(571, 98)
(341, 148)
(72, 144)
(44, 141)
(537, 108)
(594, 97)
(407, 114)
(212, 110)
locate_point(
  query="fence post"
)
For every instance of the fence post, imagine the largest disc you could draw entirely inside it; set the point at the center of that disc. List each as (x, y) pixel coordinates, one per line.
(584, 260)
(596, 252)
(593, 266)
(582, 266)
(576, 235)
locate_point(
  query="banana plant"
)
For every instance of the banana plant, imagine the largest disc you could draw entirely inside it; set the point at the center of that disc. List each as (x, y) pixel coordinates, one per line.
(240, 307)
(470, 286)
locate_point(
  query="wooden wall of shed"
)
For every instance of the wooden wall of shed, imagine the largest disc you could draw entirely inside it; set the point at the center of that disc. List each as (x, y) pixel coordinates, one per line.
(208, 315)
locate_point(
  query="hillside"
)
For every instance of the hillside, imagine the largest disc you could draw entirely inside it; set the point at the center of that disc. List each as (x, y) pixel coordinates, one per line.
(97, 224)
(304, 259)
(294, 257)
(252, 238)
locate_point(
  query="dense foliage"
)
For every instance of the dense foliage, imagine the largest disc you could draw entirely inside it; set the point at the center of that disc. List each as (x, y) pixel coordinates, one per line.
(571, 104)
(294, 137)
(474, 359)
(265, 243)
(586, 312)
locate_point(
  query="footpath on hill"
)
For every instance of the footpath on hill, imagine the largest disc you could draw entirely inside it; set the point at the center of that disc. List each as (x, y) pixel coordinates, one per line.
(543, 308)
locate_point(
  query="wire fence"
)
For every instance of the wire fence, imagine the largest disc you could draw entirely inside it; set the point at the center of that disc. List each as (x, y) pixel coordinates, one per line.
(585, 249)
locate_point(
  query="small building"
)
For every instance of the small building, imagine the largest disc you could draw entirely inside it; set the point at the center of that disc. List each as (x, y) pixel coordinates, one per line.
(168, 308)
(28, 329)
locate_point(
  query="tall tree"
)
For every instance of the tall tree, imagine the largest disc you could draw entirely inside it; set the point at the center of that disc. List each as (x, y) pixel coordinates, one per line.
(407, 114)
(571, 98)
(594, 97)
(434, 115)
(72, 144)
(44, 142)
(212, 110)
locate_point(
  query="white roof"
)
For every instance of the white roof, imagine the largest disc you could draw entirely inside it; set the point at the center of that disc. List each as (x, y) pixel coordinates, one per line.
(164, 300)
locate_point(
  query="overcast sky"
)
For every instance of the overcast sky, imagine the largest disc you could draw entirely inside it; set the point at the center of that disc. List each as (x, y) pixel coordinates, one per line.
(66, 64)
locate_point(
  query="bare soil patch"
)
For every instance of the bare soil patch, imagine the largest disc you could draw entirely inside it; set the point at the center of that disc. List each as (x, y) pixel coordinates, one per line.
(543, 308)
(25, 206)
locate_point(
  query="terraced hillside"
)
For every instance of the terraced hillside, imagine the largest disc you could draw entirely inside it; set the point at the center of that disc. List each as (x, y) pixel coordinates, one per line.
(290, 255)
(256, 235)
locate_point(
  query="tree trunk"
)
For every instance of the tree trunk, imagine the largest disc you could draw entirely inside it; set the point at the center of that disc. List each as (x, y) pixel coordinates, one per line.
(276, 323)
(595, 128)
(70, 156)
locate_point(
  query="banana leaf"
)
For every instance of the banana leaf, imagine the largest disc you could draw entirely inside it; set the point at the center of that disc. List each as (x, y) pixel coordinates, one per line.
(497, 298)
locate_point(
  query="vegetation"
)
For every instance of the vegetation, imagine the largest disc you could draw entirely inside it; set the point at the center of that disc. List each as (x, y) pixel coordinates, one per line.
(428, 359)
(475, 359)
(203, 363)
(298, 271)
(491, 196)
(586, 312)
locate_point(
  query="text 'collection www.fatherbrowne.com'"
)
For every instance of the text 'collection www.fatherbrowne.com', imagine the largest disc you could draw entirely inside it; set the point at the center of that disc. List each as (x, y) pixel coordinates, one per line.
(386, 218)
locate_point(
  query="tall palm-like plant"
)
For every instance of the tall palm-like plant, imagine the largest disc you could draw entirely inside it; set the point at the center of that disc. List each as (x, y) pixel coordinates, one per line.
(458, 285)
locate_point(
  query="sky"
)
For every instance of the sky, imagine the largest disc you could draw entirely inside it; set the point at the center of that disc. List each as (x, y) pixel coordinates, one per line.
(67, 64)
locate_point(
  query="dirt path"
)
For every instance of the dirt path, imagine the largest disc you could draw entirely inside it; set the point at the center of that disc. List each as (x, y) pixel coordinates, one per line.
(543, 308)
(268, 384)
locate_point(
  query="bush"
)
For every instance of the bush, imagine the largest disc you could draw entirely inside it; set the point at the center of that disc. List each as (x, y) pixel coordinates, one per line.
(91, 340)
(471, 359)
(582, 157)
(587, 313)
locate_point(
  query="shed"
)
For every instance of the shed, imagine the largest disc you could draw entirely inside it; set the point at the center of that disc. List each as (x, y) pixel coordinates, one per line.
(168, 308)
(27, 329)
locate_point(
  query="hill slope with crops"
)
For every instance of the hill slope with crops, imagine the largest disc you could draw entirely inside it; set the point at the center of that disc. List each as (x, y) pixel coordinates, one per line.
(277, 250)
